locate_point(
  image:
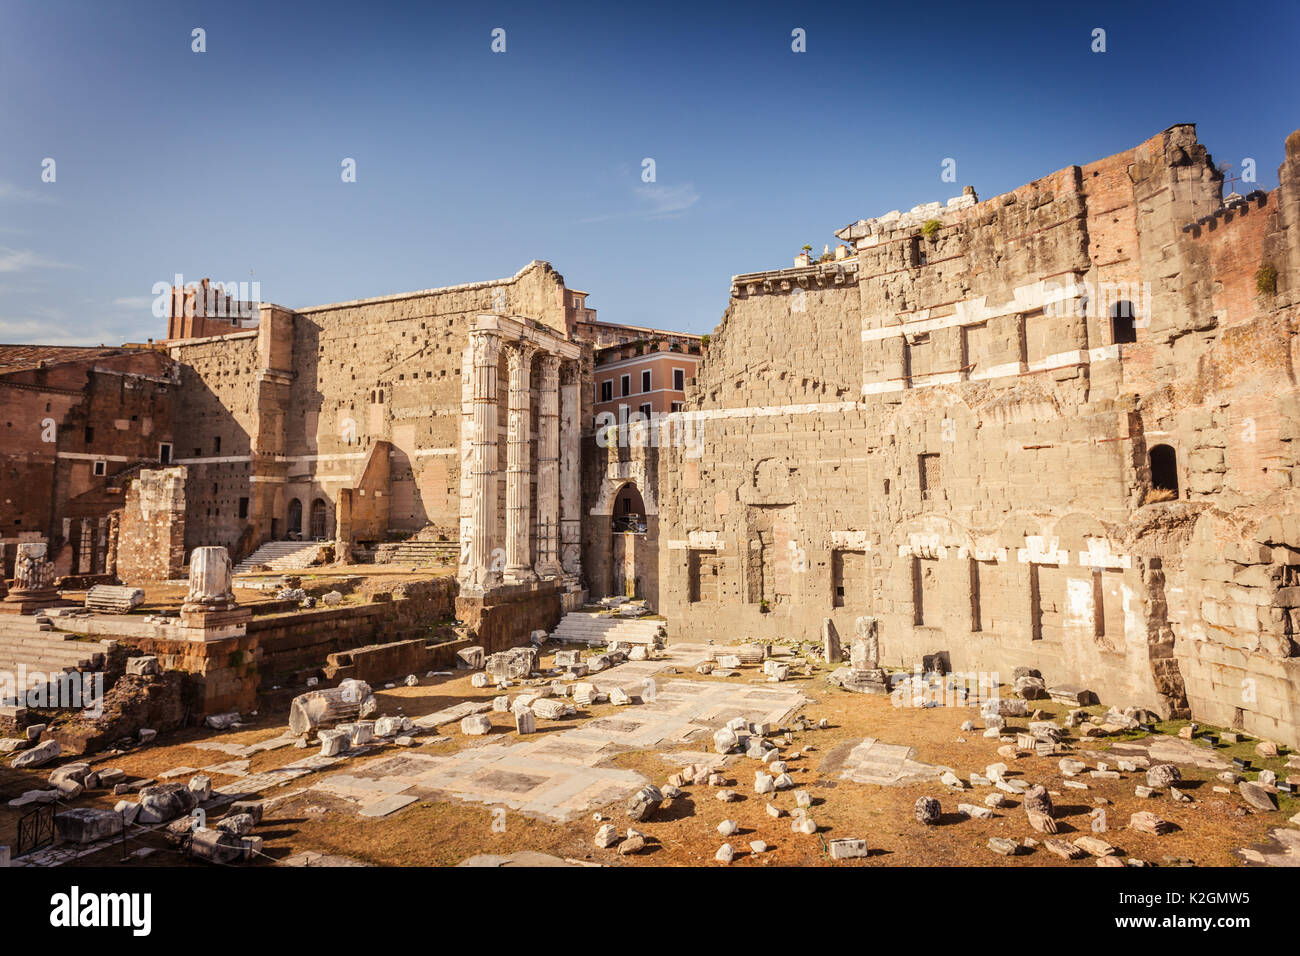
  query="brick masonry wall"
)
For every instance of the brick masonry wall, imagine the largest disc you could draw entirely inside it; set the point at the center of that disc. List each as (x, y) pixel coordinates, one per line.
(951, 439)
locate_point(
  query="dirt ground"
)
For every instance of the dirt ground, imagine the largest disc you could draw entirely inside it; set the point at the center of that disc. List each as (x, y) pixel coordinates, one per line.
(683, 832)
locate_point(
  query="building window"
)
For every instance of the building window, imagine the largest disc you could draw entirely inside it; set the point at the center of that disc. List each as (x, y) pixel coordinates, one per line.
(607, 391)
(90, 434)
(216, 445)
(677, 406)
(645, 410)
(101, 468)
(243, 507)
(1122, 323)
(165, 453)
(645, 381)
(626, 384)
(679, 379)
(1164, 472)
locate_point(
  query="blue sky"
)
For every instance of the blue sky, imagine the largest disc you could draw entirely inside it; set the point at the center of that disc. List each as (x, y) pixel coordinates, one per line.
(471, 163)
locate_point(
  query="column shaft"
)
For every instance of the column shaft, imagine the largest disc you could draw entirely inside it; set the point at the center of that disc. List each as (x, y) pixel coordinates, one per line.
(519, 466)
(570, 455)
(479, 567)
(548, 468)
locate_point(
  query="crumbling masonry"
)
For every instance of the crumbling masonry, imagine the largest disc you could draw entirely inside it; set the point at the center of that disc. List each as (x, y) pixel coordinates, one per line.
(1055, 428)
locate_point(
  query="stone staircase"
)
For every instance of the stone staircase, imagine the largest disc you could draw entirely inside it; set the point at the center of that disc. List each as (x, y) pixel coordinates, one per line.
(281, 556)
(29, 641)
(418, 553)
(589, 627)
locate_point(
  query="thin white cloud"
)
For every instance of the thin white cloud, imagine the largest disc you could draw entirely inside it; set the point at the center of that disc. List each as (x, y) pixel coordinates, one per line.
(659, 201)
(12, 193)
(24, 260)
(655, 201)
(135, 302)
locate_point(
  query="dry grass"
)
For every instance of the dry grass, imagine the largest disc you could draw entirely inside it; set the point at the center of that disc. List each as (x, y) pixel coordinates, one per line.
(439, 833)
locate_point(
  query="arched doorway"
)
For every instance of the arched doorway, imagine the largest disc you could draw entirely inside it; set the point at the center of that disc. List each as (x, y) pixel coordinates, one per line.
(632, 546)
(318, 513)
(295, 518)
(1164, 473)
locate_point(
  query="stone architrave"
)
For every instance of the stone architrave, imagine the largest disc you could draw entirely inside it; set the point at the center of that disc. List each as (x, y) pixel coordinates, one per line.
(480, 567)
(548, 468)
(33, 581)
(519, 569)
(210, 612)
(570, 476)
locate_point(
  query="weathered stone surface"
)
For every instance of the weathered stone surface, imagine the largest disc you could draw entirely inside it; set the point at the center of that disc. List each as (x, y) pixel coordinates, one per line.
(165, 801)
(475, 725)
(1163, 775)
(87, 824)
(1148, 822)
(42, 753)
(927, 811)
(1256, 796)
(847, 848)
(642, 804)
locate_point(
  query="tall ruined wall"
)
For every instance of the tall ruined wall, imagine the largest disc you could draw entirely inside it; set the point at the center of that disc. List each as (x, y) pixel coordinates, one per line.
(151, 531)
(313, 391)
(218, 406)
(951, 430)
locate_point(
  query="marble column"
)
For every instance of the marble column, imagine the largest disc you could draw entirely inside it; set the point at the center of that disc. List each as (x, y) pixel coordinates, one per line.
(570, 455)
(480, 568)
(210, 581)
(519, 471)
(33, 579)
(548, 468)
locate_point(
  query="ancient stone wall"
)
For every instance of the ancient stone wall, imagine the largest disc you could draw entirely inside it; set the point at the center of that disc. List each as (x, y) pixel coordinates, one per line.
(998, 427)
(312, 391)
(76, 423)
(151, 528)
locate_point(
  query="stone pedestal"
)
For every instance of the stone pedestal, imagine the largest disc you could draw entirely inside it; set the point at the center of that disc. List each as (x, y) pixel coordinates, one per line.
(210, 612)
(33, 581)
(864, 675)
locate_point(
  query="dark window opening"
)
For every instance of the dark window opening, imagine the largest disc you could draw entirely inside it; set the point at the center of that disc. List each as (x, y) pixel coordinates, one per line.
(1123, 324)
(1164, 469)
(243, 507)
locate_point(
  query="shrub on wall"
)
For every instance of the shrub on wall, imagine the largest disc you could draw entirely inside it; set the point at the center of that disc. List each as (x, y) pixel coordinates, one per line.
(1266, 279)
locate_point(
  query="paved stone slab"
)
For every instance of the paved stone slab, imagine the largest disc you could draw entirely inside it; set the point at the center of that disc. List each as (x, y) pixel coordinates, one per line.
(872, 761)
(1165, 749)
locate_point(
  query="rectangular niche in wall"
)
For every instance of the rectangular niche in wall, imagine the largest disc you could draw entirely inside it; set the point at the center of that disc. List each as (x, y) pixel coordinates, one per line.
(702, 569)
(848, 578)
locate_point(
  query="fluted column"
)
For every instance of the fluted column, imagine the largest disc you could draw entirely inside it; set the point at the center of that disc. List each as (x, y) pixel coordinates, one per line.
(519, 565)
(479, 568)
(548, 468)
(570, 455)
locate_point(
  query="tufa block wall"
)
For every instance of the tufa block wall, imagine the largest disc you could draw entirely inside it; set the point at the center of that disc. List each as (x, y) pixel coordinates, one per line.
(1055, 432)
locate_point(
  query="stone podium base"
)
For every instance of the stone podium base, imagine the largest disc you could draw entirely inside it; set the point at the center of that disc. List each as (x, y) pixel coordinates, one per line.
(860, 682)
(16, 603)
(208, 626)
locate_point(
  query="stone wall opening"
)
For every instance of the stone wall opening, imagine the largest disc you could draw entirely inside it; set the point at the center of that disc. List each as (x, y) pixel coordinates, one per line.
(1123, 325)
(295, 518)
(1164, 470)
